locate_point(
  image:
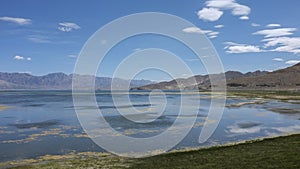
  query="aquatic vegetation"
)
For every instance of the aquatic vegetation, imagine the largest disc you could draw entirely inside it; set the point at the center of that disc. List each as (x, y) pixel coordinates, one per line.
(83, 135)
(33, 105)
(6, 132)
(43, 124)
(285, 110)
(37, 136)
(3, 108)
(240, 104)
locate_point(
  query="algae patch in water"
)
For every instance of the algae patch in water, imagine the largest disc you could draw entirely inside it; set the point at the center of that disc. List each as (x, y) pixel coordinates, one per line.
(42, 124)
(3, 107)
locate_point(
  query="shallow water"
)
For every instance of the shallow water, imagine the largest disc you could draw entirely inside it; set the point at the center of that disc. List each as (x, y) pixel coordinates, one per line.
(37, 123)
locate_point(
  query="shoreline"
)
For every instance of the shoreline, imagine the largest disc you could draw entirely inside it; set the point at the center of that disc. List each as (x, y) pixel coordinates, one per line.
(229, 144)
(108, 158)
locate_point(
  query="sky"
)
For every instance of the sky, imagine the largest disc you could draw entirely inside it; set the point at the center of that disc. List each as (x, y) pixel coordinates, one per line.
(41, 37)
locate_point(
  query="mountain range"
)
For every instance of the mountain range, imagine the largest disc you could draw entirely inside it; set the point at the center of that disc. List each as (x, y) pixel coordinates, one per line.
(283, 79)
(58, 81)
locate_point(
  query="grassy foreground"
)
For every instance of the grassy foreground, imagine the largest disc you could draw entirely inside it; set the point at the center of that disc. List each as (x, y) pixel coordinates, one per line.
(280, 152)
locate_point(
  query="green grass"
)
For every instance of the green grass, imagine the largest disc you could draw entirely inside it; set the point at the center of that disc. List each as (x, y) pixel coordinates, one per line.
(280, 152)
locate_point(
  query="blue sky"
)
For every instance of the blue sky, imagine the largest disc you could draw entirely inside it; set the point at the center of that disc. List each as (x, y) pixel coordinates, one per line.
(42, 37)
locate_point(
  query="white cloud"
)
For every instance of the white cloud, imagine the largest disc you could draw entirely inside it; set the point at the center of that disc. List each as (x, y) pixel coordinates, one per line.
(274, 44)
(232, 44)
(278, 59)
(68, 26)
(292, 62)
(20, 21)
(192, 60)
(237, 9)
(72, 56)
(137, 49)
(214, 9)
(275, 40)
(255, 24)
(244, 18)
(219, 26)
(210, 14)
(211, 34)
(39, 39)
(283, 44)
(17, 57)
(275, 32)
(273, 25)
(241, 48)
(192, 30)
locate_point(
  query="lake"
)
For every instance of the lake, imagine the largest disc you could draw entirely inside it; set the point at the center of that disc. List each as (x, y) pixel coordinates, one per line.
(38, 123)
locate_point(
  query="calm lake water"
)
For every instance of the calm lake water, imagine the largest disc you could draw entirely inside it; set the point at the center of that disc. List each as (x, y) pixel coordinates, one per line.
(38, 123)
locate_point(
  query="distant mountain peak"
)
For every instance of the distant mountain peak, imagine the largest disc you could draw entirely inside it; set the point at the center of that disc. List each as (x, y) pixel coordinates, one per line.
(283, 79)
(57, 81)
